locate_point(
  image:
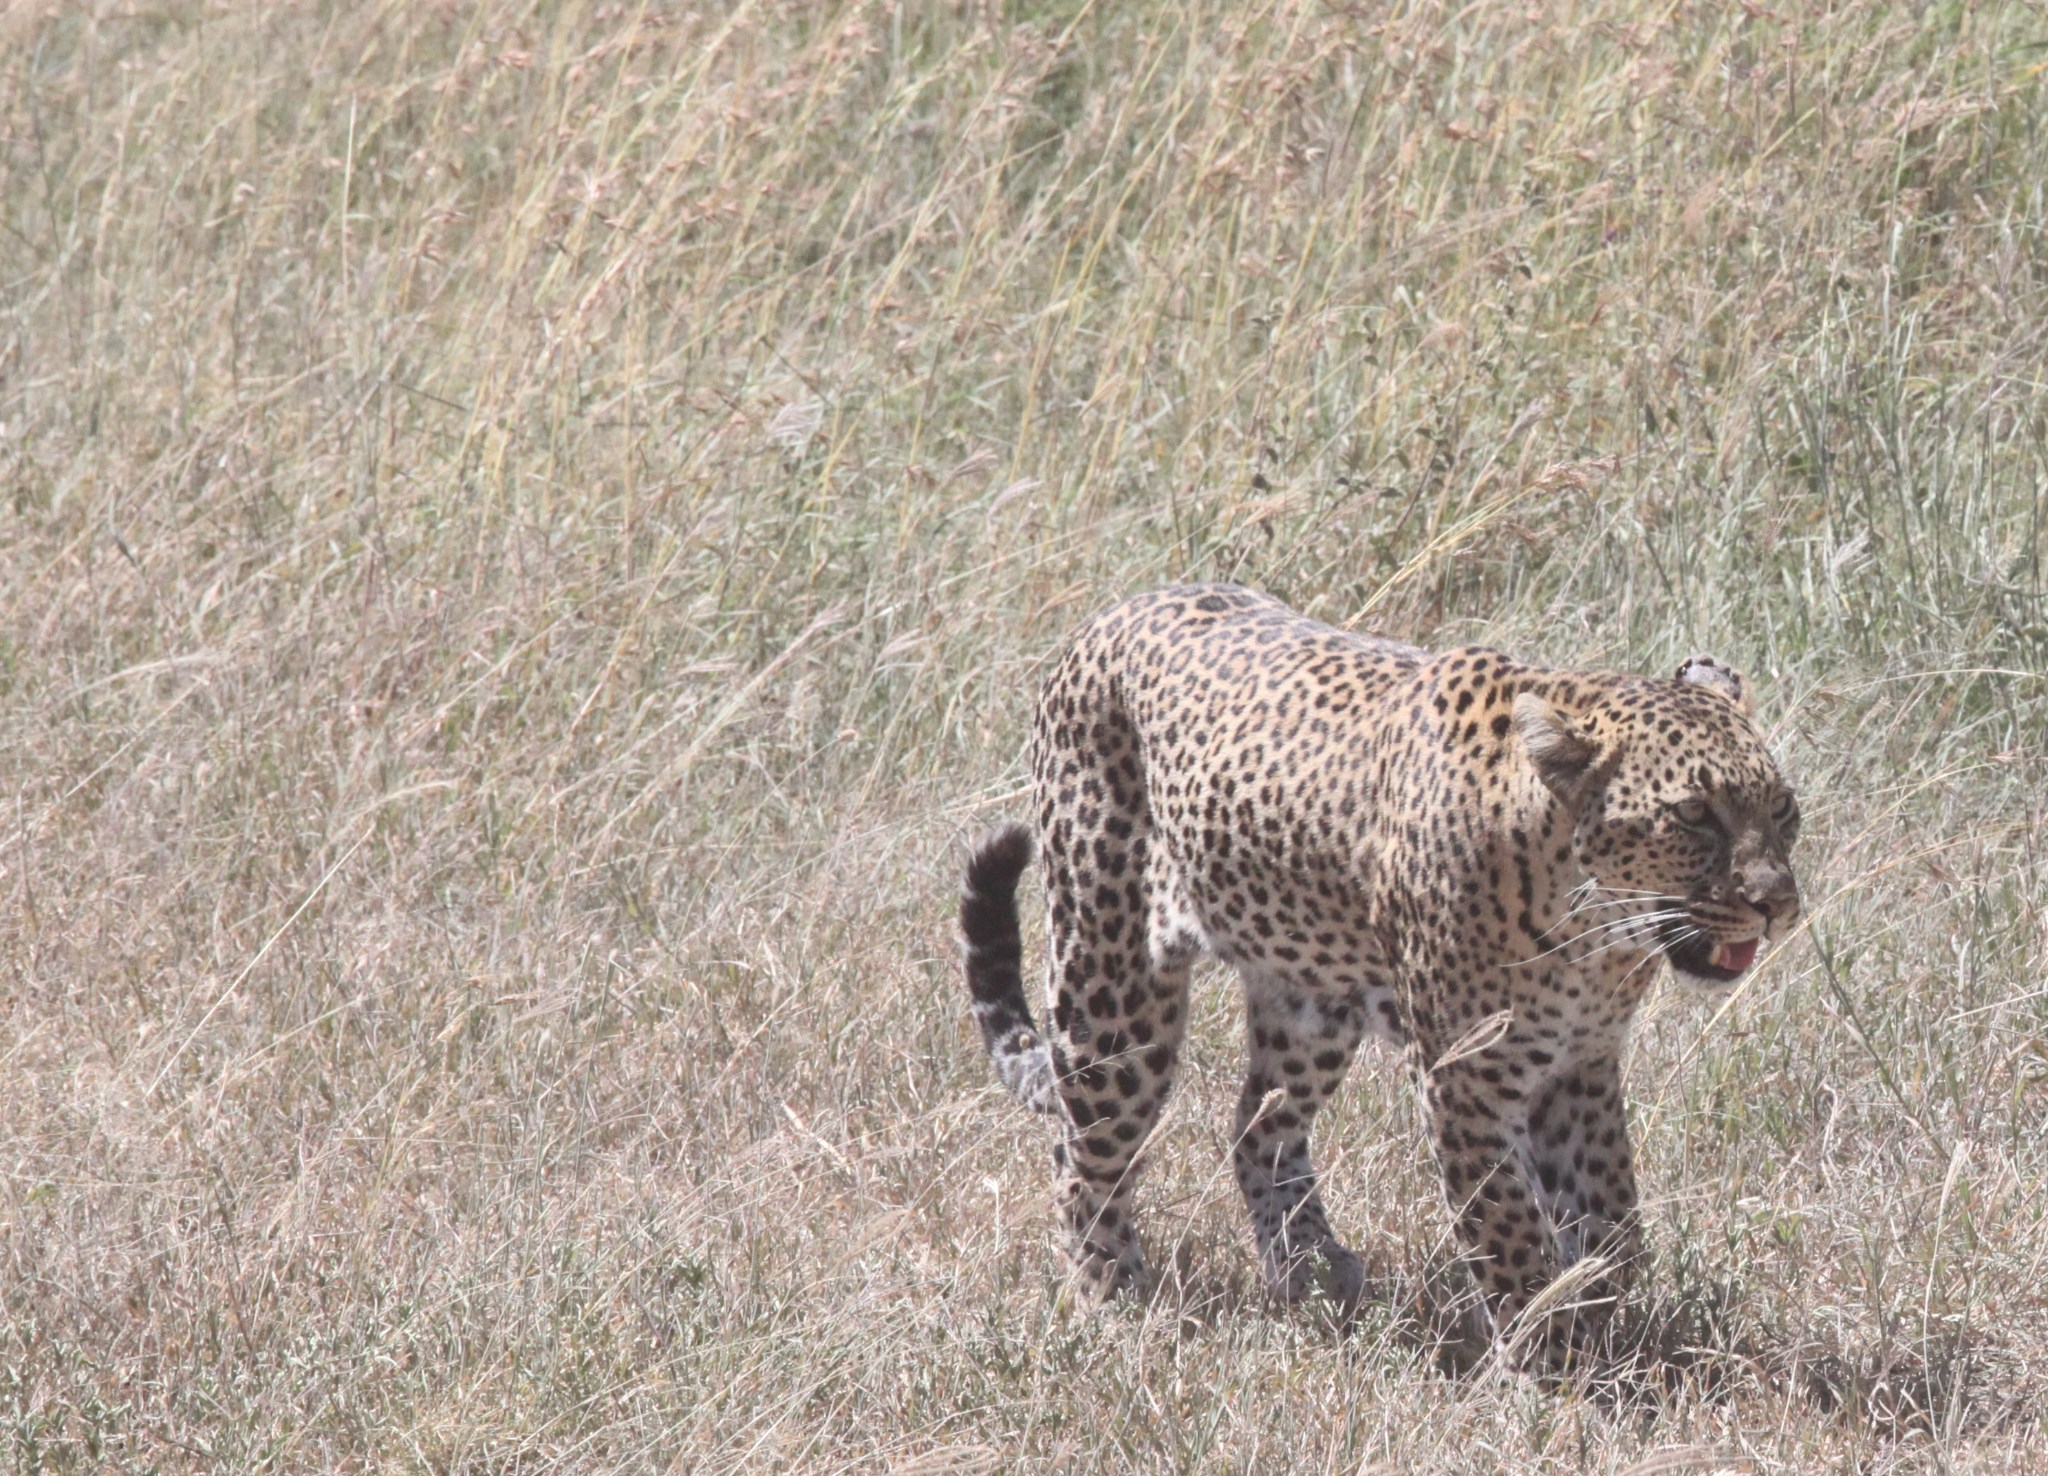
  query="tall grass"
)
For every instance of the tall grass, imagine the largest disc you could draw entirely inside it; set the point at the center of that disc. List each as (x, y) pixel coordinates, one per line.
(530, 532)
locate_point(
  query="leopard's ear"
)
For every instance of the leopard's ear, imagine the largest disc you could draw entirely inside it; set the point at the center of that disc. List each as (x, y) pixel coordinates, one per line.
(1719, 677)
(1564, 756)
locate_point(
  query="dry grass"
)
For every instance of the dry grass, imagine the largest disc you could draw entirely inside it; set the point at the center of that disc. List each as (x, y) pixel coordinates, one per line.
(529, 531)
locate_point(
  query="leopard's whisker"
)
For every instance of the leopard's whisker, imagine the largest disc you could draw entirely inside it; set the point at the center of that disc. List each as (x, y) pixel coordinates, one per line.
(1630, 929)
(1590, 907)
(1634, 931)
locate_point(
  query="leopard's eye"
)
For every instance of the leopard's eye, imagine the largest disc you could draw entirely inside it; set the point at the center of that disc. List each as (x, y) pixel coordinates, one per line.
(1785, 814)
(1693, 812)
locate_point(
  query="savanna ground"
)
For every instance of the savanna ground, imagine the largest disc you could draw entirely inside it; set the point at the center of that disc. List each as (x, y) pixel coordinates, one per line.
(530, 531)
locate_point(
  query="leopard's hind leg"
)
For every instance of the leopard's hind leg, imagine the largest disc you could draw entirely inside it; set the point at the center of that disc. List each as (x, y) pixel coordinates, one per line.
(1119, 960)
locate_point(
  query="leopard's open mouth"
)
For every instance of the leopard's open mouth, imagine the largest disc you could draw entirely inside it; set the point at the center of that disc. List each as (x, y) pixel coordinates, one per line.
(1692, 952)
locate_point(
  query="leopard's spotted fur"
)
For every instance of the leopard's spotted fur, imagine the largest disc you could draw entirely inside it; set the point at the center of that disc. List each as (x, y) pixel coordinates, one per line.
(1477, 860)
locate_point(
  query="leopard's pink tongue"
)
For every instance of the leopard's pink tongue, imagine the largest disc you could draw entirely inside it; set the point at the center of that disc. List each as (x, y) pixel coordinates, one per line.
(1735, 957)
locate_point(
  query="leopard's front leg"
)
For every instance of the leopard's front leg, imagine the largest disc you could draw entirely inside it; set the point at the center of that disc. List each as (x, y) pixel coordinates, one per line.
(1585, 1179)
(1301, 1045)
(1502, 1227)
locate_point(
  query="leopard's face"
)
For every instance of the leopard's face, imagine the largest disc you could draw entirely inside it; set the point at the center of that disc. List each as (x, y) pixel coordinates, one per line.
(1688, 842)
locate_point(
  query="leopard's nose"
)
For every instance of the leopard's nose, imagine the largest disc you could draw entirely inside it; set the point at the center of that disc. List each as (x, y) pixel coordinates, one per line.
(1771, 890)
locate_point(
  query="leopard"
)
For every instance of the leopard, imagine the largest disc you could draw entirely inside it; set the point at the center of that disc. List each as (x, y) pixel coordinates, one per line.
(1483, 864)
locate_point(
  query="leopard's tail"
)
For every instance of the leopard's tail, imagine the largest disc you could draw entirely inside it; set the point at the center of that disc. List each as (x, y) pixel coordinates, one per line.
(995, 958)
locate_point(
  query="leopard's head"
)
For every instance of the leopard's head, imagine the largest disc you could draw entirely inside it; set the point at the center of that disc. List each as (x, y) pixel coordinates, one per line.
(1681, 823)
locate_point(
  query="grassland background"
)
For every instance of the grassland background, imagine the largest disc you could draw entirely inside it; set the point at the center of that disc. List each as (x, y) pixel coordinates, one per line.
(527, 535)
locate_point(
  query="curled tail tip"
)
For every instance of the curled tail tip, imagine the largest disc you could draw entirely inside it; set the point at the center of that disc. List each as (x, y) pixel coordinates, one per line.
(988, 902)
(999, 858)
(994, 949)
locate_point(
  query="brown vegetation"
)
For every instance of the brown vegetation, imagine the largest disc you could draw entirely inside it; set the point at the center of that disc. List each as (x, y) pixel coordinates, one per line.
(527, 535)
